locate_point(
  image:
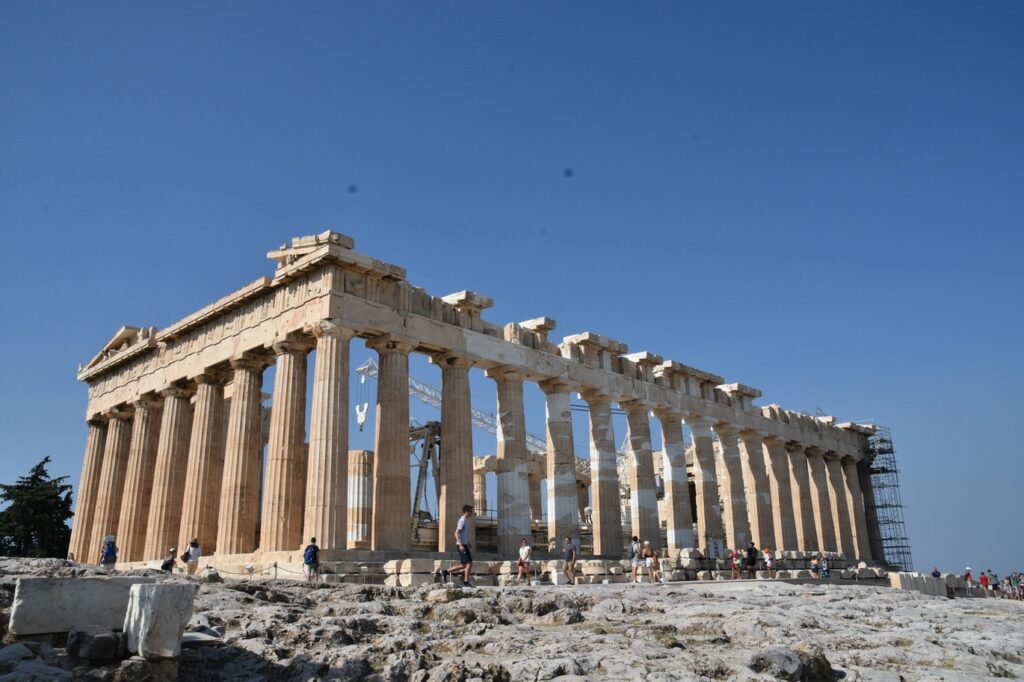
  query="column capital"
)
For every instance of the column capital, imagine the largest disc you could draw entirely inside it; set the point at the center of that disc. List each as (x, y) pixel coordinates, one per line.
(748, 434)
(727, 429)
(794, 446)
(592, 396)
(173, 391)
(97, 420)
(254, 360)
(215, 377)
(119, 413)
(555, 386)
(451, 359)
(831, 455)
(149, 401)
(390, 343)
(504, 373)
(812, 451)
(849, 460)
(329, 327)
(293, 345)
(635, 405)
(696, 420)
(667, 414)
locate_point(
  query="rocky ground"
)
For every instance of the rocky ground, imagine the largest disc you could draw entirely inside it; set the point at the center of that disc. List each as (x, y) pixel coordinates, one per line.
(678, 631)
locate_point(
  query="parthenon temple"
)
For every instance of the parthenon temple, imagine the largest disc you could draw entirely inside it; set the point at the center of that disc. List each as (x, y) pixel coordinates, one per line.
(177, 446)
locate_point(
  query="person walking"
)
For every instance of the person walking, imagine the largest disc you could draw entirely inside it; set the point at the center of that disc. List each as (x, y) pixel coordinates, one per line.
(769, 562)
(168, 565)
(191, 556)
(815, 566)
(462, 544)
(735, 559)
(823, 564)
(633, 554)
(751, 560)
(525, 553)
(651, 561)
(108, 553)
(311, 561)
(569, 555)
(969, 579)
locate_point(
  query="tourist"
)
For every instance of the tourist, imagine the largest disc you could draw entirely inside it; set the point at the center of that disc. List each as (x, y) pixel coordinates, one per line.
(936, 573)
(752, 560)
(633, 554)
(769, 562)
(823, 565)
(191, 556)
(311, 561)
(525, 552)
(993, 581)
(650, 556)
(569, 568)
(465, 566)
(983, 581)
(168, 565)
(108, 553)
(735, 561)
(969, 579)
(815, 566)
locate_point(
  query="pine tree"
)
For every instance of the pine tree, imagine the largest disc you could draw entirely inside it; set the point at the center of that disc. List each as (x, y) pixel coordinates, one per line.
(34, 523)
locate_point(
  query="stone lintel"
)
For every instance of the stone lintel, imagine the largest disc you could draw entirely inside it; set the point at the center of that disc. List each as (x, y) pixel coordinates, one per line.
(539, 324)
(645, 358)
(469, 301)
(740, 390)
(699, 375)
(826, 419)
(597, 341)
(301, 246)
(867, 429)
(484, 464)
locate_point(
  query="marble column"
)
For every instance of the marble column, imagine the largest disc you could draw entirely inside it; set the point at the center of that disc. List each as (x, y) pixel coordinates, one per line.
(82, 545)
(582, 500)
(678, 514)
(874, 530)
(480, 493)
(803, 499)
(606, 512)
(855, 502)
(781, 494)
(536, 507)
(392, 513)
(642, 490)
(513, 508)
(110, 490)
(326, 513)
(138, 480)
(360, 498)
(710, 527)
(758, 490)
(563, 502)
(285, 485)
(201, 503)
(456, 449)
(734, 497)
(840, 510)
(820, 501)
(243, 459)
(169, 474)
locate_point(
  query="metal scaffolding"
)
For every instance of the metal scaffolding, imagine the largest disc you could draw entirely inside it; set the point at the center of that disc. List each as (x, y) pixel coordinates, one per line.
(888, 506)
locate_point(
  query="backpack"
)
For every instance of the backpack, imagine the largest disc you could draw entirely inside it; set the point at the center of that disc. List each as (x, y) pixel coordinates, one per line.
(311, 556)
(634, 551)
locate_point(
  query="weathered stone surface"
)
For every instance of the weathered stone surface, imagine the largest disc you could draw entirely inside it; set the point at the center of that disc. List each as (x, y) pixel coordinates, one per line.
(156, 618)
(93, 644)
(54, 605)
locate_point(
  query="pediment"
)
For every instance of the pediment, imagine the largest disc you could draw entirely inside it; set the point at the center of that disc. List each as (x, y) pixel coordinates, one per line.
(123, 340)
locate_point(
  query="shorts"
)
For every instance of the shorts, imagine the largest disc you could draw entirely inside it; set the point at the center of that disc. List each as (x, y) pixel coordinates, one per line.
(524, 564)
(634, 562)
(310, 569)
(465, 557)
(650, 562)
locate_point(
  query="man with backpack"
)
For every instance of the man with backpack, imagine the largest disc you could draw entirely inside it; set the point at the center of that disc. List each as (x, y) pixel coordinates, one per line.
(633, 554)
(311, 561)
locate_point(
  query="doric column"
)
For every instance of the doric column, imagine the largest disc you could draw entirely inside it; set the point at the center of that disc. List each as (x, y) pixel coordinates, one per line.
(326, 514)
(536, 507)
(392, 507)
(758, 490)
(360, 498)
(867, 489)
(781, 495)
(243, 459)
(678, 515)
(734, 497)
(606, 512)
(820, 501)
(138, 481)
(285, 486)
(710, 528)
(110, 491)
(169, 475)
(201, 503)
(563, 515)
(480, 492)
(82, 544)
(840, 511)
(855, 502)
(456, 448)
(643, 493)
(582, 499)
(513, 508)
(803, 498)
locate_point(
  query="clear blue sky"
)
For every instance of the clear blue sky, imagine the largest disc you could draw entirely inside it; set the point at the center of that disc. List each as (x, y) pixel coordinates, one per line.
(819, 200)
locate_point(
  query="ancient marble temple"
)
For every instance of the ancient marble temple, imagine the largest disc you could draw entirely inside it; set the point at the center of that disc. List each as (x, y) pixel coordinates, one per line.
(176, 446)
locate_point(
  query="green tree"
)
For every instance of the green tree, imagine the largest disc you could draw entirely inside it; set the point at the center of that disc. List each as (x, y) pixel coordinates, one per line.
(34, 523)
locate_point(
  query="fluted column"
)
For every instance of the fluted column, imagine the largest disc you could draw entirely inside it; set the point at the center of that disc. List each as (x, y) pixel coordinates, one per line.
(734, 497)
(803, 498)
(874, 529)
(326, 516)
(513, 508)
(840, 511)
(456, 449)
(201, 503)
(138, 481)
(285, 486)
(536, 507)
(710, 527)
(360, 498)
(582, 499)
(243, 459)
(110, 490)
(758, 490)
(563, 515)
(606, 512)
(480, 492)
(855, 501)
(643, 493)
(781, 494)
(678, 515)
(820, 501)
(392, 507)
(169, 475)
(82, 543)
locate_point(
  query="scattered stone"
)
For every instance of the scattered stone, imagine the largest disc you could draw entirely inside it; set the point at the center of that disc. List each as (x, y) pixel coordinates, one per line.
(156, 618)
(55, 605)
(779, 662)
(94, 644)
